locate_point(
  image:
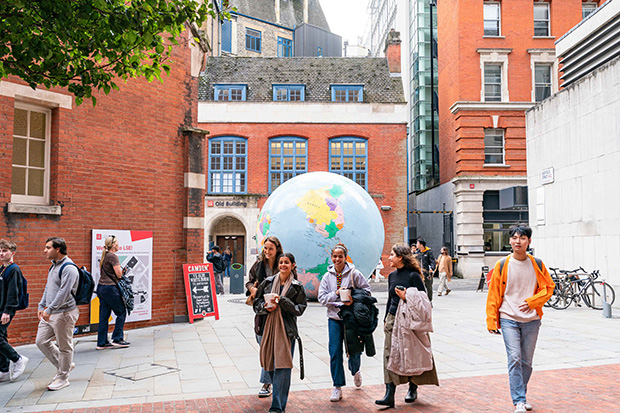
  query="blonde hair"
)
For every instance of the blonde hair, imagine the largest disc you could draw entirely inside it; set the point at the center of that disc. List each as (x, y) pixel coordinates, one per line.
(108, 244)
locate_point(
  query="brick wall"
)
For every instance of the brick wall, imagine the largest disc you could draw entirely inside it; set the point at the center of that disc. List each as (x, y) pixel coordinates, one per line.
(116, 165)
(387, 176)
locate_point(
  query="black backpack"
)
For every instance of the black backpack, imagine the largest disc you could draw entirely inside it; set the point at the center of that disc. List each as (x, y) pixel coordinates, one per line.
(23, 296)
(85, 287)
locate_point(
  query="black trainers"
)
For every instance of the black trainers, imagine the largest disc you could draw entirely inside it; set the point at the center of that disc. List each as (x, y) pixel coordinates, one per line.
(120, 344)
(105, 346)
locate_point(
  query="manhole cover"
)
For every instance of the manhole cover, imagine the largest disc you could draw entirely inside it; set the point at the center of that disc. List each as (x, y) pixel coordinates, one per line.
(142, 371)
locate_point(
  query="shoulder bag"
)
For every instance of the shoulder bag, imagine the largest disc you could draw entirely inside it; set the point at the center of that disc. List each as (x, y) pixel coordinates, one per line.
(124, 286)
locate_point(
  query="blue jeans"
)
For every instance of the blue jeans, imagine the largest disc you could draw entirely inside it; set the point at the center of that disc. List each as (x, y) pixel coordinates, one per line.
(264, 376)
(281, 379)
(110, 300)
(520, 340)
(335, 330)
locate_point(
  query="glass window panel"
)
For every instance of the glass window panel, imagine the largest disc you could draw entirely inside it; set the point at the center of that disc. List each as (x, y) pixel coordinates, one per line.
(301, 164)
(492, 73)
(228, 148)
(360, 164)
(19, 151)
(36, 153)
(301, 148)
(349, 175)
(541, 11)
(543, 73)
(240, 148)
(335, 148)
(35, 182)
(336, 164)
(275, 148)
(215, 162)
(491, 12)
(295, 95)
(37, 125)
(228, 164)
(360, 148)
(20, 122)
(354, 95)
(542, 93)
(215, 148)
(275, 163)
(222, 94)
(287, 148)
(492, 93)
(280, 94)
(587, 9)
(18, 186)
(240, 163)
(347, 148)
(341, 95)
(361, 180)
(347, 164)
(287, 164)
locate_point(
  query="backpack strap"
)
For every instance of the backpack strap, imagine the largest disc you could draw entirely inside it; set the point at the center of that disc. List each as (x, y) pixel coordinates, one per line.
(538, 263)
(502, 262)
(63, 267)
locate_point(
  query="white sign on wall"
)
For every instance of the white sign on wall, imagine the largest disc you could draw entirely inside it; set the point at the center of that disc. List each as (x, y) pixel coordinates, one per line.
(135, 253)
(547, 176)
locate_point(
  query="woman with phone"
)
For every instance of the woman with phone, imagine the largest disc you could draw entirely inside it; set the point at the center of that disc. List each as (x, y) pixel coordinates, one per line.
(282, 299)
(335, 292)
(110, 298)
(407, 274)
(265, 266)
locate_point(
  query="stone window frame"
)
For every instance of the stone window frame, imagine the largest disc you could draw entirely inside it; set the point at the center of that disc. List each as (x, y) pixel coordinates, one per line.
(283, 159)
(495, 56)
(32, 199)
(359, 176)
(499, 18)
(546, 57)
(288, 89)
(217, 174)
(548, 20)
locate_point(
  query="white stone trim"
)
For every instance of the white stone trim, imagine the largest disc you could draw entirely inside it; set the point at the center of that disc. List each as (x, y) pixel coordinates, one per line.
(497, 56)
(193, 223)
(36, 96)
(194, 180)
(544, 56)
(302, 112)
(490, 106)
(13, 208)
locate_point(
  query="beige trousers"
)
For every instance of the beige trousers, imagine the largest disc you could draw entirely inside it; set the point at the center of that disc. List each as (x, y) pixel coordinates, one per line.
(59, 328)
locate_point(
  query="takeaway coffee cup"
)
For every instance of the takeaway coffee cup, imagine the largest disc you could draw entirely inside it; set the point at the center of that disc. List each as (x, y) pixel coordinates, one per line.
(270, 300)
(345, 296)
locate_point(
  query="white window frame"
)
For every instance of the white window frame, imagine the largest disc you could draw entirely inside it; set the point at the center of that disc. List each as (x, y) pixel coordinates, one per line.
(547, 57)
(499, 19)
(588, 6)
(503, 147)
(548, 6)
(30, 199)
(495, 56)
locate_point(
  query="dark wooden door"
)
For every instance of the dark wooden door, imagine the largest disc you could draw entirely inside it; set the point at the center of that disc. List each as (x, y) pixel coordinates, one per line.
(236, 244)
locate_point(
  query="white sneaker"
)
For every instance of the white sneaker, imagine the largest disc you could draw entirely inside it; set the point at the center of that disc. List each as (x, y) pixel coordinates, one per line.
(528, 406)
(5, 376)
(70, 370)
(336, 395)
(18, 367)
(357, 378)
(58, 384)
(520, 408)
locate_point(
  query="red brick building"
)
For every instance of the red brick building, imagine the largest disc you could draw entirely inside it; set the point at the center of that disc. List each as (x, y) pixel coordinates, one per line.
(272, 119)
(496, 60)
(126, 163)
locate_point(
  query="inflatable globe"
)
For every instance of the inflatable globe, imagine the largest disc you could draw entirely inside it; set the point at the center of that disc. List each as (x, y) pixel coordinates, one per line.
(315, 211)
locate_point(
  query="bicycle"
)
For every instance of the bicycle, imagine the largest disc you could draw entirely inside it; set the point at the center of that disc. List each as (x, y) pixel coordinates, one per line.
(571, 288)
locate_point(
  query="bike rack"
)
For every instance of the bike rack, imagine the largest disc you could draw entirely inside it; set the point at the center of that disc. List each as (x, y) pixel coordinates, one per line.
(606, 305)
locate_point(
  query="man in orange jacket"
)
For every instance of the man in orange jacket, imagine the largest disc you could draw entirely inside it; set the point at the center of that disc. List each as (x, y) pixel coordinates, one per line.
(520, 286)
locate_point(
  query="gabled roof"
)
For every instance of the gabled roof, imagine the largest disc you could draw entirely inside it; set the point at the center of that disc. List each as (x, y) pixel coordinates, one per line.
(316, 73)
(291, 12)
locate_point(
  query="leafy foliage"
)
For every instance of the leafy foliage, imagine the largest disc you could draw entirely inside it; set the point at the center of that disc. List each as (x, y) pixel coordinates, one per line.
(90, 44)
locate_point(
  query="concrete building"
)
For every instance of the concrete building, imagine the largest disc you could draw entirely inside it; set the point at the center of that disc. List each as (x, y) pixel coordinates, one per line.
(496, 60)
(573, 152)
(268, 28)
(285, 117)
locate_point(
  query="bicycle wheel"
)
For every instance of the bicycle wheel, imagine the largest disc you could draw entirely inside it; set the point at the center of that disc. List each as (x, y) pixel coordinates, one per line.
(562, 297)
(593, 295)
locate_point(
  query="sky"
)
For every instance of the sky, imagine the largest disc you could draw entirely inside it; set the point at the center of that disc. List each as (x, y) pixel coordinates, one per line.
(346, 18)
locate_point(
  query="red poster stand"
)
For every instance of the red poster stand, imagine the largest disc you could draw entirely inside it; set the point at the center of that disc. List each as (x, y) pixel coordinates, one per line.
(200, 291)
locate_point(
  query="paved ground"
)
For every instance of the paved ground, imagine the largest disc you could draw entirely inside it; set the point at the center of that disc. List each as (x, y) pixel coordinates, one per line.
(218, 360)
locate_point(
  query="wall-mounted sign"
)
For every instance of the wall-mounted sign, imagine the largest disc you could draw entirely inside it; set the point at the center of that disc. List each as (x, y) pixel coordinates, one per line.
(547, 176)
(226, 203)
(200, 291)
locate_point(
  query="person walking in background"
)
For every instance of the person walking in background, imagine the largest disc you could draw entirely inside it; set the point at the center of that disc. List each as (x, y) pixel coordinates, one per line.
(444, 267)
(427, 263)
(227, 256)
(264, 267)
(406, 275)
(282, 299)
(339, 277)
(520, 286)
(110, 298)
(58, 312)
(219, 267)
(10, 292)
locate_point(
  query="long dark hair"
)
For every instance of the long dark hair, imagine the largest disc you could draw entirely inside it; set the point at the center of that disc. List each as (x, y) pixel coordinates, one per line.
(291, 258)
(275, 241)
(409, 261)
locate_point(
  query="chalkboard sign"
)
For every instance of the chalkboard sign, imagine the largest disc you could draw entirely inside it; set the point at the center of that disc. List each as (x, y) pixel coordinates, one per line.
(200, 291)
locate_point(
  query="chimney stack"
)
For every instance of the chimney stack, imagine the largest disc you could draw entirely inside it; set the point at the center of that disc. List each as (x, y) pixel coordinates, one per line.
(305, 11)
(277, 9)
(392, 51)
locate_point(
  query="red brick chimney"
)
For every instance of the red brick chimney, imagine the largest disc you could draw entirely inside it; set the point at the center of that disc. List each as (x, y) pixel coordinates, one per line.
(392, 51)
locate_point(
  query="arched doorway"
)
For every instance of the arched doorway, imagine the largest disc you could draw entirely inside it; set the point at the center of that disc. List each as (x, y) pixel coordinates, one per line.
(228, 231)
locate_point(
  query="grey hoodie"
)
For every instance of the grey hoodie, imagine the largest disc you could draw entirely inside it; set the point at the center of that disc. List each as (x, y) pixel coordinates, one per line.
(327, 290)
(57, 295)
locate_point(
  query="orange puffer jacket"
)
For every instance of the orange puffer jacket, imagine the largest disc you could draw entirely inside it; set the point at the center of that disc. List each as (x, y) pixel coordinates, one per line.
(497, 287)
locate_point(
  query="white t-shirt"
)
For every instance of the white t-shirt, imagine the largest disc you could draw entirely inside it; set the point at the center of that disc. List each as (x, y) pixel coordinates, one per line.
(520, 284)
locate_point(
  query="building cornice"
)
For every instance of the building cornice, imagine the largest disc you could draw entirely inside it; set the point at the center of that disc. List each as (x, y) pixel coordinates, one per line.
(490, 106)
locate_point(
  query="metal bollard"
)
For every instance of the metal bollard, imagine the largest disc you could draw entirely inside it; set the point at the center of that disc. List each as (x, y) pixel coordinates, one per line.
(606, 305)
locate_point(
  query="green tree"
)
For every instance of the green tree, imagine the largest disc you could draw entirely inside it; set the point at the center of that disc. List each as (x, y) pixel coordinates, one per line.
(90, 44)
